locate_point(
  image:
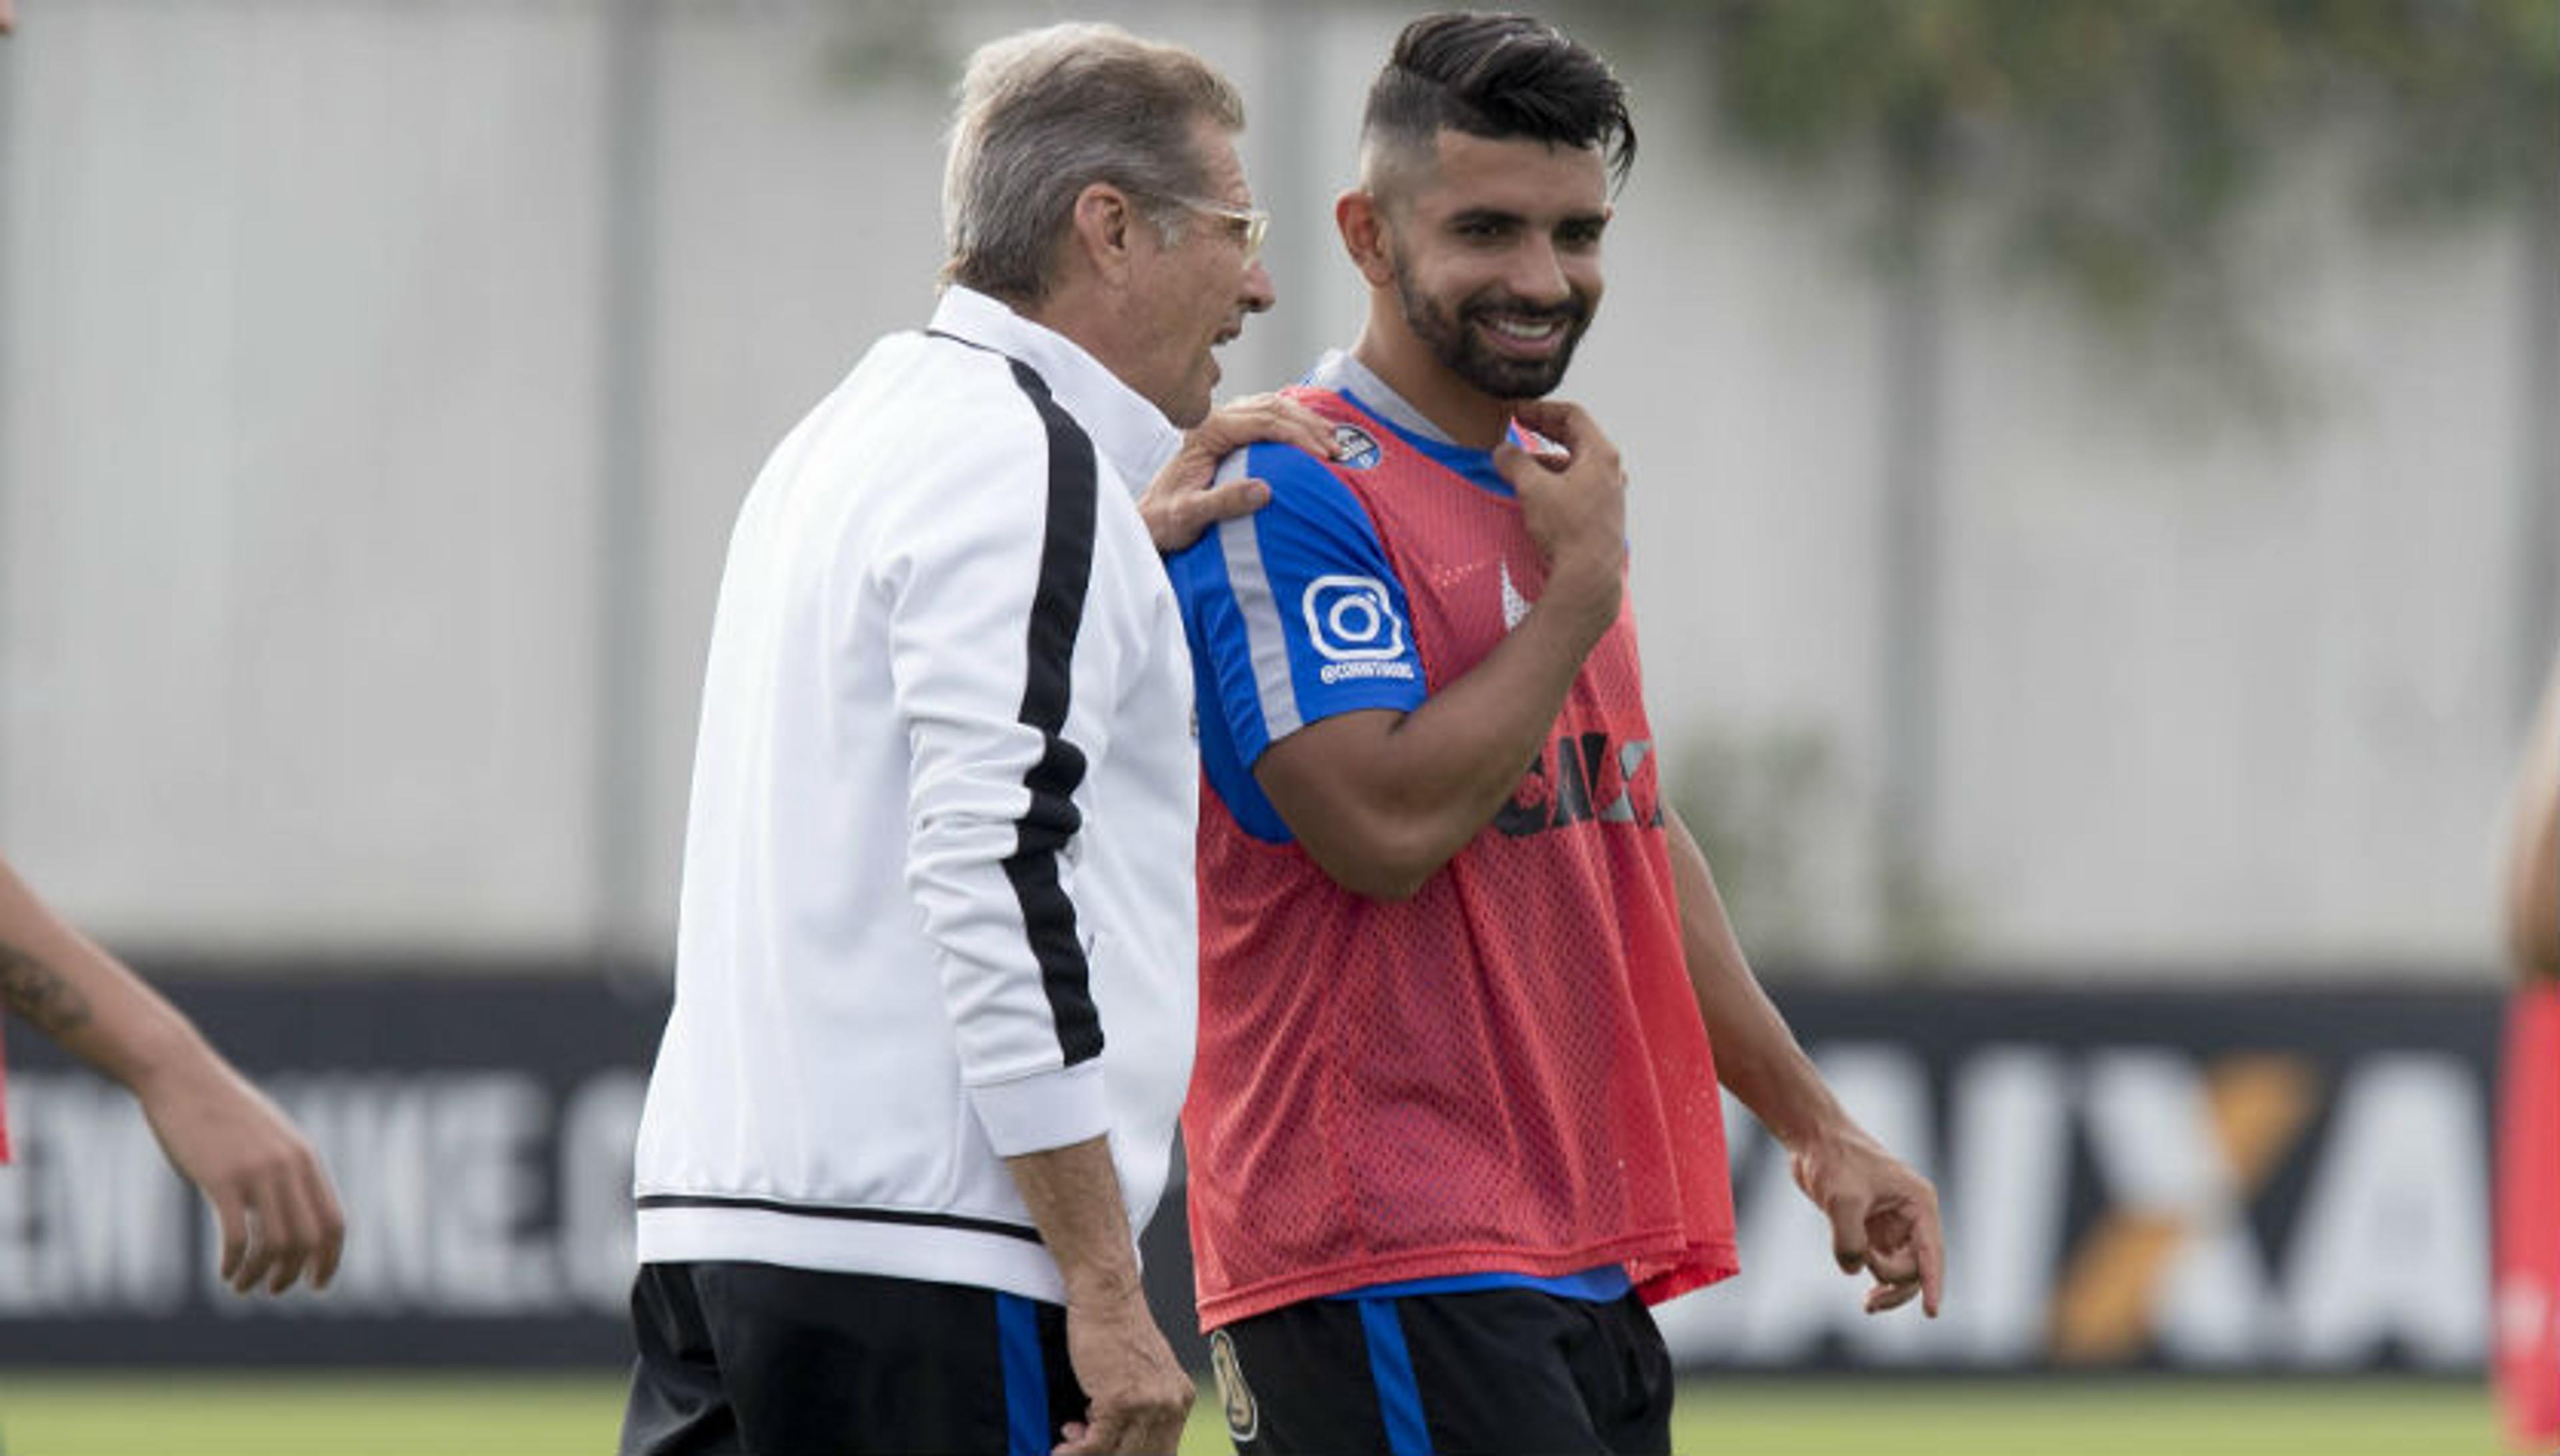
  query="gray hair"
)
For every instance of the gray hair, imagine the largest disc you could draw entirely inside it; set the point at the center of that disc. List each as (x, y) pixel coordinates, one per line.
(1044, 114)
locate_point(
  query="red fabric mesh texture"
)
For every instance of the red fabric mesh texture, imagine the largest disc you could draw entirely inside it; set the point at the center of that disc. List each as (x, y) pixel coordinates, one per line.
(2525, 1359)
(1506, 1071)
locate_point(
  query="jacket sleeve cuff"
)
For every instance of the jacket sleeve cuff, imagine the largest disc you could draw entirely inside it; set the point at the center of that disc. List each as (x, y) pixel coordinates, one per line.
(1049, 1109)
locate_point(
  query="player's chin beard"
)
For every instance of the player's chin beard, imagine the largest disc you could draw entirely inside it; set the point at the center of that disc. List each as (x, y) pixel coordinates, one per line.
(1452, 339)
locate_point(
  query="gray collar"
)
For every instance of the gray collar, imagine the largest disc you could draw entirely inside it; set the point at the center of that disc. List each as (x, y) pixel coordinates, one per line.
(1339, 371)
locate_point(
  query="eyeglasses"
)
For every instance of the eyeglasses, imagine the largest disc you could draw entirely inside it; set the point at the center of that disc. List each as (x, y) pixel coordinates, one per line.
(1253, 222)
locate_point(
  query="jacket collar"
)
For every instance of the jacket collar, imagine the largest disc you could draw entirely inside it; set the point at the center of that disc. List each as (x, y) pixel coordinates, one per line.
(1133, 435)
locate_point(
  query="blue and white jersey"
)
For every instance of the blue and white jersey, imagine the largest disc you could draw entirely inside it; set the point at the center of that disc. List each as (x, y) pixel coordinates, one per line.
(1295, 612)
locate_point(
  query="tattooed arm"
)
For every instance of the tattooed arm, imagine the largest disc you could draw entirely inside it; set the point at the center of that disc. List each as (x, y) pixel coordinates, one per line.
(278, 1212)
(37, 994)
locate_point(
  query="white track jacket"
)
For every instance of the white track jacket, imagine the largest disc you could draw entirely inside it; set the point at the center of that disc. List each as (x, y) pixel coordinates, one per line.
(937, 898)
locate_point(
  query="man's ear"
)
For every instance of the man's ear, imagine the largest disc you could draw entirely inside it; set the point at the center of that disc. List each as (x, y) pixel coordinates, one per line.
(1361, 219)
(1105, 227)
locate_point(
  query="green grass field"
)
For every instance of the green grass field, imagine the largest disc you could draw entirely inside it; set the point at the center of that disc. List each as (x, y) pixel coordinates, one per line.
(47, 1414)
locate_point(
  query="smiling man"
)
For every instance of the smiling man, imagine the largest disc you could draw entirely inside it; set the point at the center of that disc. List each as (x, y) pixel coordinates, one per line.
(1455, 1124)
(934, 962)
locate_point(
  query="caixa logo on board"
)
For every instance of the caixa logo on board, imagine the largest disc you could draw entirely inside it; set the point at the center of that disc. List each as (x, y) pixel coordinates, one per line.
(2220, 1182)
(2138, 1205)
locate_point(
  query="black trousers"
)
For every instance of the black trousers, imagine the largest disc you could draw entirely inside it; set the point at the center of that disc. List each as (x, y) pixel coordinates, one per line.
(1487, 1370)
(756, 1360)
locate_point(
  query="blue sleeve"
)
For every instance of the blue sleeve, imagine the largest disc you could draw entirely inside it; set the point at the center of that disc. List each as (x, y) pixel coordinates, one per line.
(1294, 615)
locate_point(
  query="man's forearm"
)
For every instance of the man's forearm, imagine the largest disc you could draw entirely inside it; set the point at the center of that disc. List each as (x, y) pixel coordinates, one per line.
(1073, 1194)
(1383, 802)
(65, 985)
(2533, 920)
(1464, 749)
(1136, 1390)
(1757, 1057)
(1883, 1216)
(279, 1216)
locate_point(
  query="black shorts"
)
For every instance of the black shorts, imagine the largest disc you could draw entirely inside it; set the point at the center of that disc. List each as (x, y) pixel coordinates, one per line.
(1487, 1370)
(742, 1359)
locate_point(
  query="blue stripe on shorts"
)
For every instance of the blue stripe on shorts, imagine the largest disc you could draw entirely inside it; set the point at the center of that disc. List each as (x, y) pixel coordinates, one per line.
(1391, 1365)
(1026, 1376)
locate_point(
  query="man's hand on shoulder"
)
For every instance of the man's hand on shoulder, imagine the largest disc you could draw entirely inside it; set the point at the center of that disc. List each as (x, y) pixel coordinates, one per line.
(1180, 505)
(1884, 1217)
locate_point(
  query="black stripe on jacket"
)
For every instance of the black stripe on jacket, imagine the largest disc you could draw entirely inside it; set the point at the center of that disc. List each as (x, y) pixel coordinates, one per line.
(1058, 612)
(916, 1218)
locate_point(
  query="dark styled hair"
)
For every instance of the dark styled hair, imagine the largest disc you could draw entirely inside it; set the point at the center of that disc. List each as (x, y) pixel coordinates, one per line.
(1497, 77)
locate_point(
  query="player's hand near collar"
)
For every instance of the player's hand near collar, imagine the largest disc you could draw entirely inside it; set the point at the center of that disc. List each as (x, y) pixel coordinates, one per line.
(1573, 502)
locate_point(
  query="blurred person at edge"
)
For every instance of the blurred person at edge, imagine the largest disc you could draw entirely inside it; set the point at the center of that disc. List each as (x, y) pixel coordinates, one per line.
(1467, 988)
(2526, 1357)
(891, 1169)
(278, 1213)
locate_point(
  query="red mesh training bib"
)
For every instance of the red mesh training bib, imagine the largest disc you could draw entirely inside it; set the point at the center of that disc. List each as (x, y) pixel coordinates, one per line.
(1506, 1071)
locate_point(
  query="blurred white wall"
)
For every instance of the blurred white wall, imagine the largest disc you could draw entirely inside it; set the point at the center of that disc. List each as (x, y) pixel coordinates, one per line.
(298, 470)
(312, 469)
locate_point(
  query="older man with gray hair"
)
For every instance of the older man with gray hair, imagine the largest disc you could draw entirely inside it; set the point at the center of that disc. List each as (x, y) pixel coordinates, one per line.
(936, 963)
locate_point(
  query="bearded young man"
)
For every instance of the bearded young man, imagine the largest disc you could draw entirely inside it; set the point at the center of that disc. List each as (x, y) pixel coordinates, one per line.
(1455, 1122)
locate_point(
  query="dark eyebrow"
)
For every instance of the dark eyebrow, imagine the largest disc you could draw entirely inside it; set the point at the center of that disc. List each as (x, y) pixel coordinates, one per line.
(1482, 216)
